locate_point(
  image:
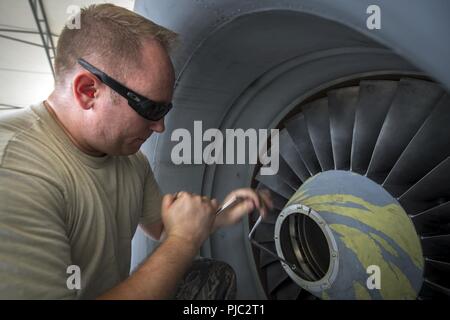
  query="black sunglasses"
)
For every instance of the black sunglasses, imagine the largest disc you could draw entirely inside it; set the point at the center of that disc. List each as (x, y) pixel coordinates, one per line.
(146, 108)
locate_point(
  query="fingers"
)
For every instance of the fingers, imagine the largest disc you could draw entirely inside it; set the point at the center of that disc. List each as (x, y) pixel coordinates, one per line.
(215, 203)
(247, 193)
(212, 204)
(167, 201)
(266, 199)
(188, 216)
(206, 201)
(182, 194)
(260, 200)
(249, 206)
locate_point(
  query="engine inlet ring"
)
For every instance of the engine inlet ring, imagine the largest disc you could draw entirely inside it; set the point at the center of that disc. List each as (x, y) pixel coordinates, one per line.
(313, 284)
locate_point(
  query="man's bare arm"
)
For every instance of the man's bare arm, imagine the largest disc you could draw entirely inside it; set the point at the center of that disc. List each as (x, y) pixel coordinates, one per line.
(154, 230)
(187, 221)
(158, 276)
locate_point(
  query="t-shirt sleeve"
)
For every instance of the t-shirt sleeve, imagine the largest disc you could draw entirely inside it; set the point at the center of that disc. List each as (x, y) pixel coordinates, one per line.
(34, 247)
(151, 209)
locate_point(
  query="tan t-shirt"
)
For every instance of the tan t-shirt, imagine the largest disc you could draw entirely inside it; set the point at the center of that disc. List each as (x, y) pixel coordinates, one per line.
(60, 207)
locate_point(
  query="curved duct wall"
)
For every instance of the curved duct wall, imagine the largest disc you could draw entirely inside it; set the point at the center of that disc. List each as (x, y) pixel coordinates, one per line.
(249, 64)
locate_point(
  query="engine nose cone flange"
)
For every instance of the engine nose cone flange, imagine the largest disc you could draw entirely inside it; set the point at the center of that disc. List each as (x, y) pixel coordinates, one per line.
(349, 239)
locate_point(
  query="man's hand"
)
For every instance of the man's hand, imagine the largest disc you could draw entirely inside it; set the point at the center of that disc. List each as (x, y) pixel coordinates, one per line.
(189, 217)
(252, 200)
(188, 220)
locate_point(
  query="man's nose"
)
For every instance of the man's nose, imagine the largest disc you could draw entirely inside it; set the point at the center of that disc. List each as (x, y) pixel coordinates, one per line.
(157, 126)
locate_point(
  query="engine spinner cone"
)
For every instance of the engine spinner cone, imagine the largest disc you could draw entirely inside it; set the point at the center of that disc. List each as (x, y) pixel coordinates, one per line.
(350, 239)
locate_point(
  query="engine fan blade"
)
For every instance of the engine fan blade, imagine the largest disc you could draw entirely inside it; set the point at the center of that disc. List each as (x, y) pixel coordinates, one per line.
(342, 106)
(412, 103)
(298, 131)
(264, 233)
(275, 276)
(426, 150)
(264, 258)
(276, 185)
(289, 153)
(431, 290)
(288, 290)
(435, 221)
(287, 175)
(318, 122)
(436, 247)
(430, 191)
(375, 98)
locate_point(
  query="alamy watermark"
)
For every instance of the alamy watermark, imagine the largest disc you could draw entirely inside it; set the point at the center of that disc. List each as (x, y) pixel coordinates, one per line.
(74, 19)
(374, 280)
(236, 147)
(74, 280)
(374, 20)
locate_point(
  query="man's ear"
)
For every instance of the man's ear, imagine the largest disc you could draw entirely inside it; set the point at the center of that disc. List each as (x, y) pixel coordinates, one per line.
(85, 89)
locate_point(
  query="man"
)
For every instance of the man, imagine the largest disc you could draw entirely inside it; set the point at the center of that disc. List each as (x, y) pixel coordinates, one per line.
(74, 186)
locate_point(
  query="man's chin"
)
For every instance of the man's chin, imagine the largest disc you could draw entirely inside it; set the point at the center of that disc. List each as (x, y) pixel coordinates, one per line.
(133, 147)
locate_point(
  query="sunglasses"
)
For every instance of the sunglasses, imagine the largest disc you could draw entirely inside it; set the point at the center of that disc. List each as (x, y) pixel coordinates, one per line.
(145, 107)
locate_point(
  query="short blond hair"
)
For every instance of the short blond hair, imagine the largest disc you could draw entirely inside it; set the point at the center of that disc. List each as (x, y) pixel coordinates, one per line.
(112, 33)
